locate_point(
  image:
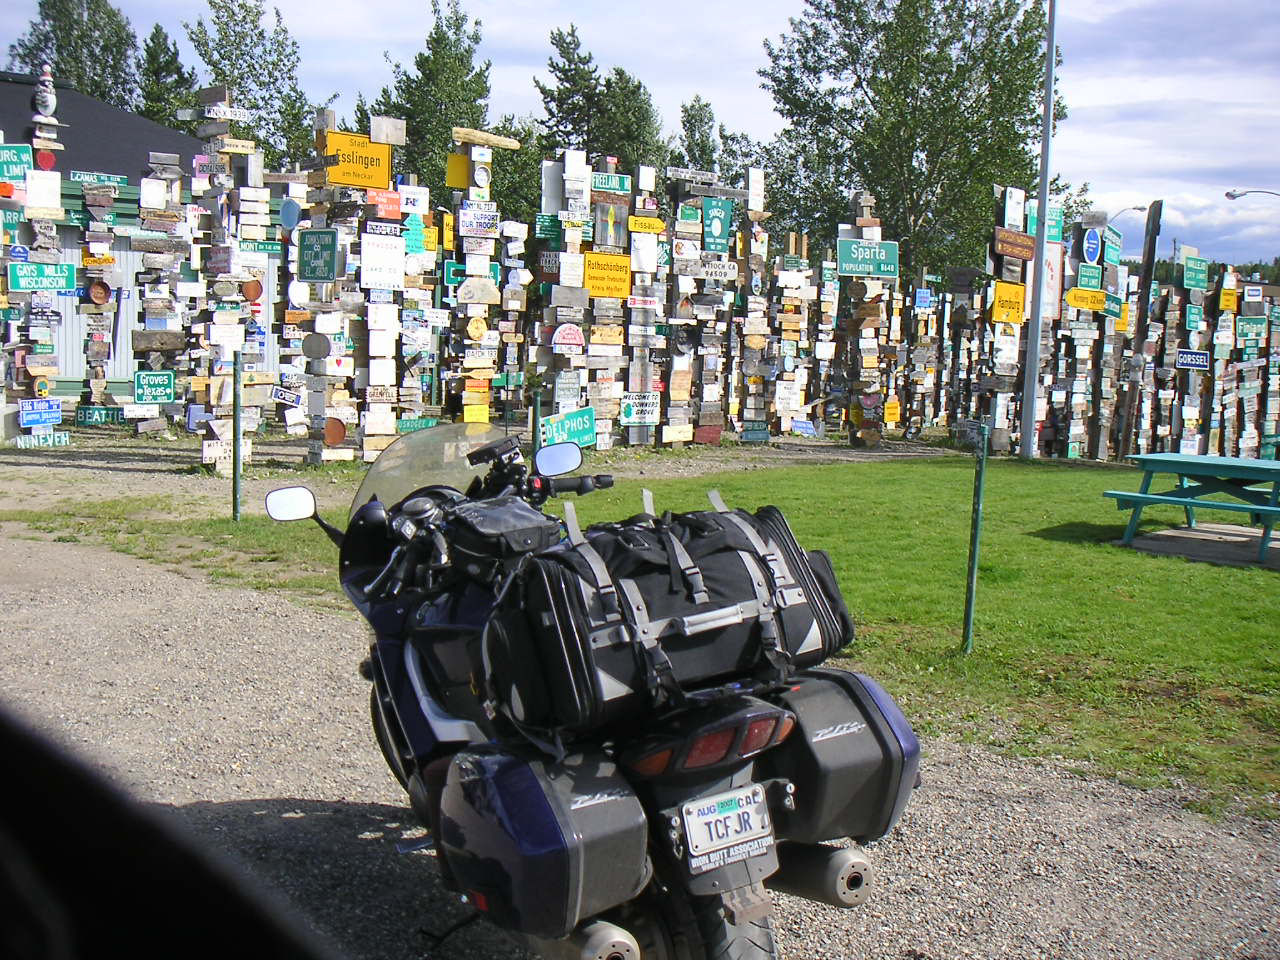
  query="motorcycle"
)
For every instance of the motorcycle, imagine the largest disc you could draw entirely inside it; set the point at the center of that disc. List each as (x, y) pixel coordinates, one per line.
(658, 836)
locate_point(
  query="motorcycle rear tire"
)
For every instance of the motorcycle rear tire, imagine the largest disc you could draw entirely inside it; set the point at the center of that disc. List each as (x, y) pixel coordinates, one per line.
(725, 939)
(386, 739)
(675, 926)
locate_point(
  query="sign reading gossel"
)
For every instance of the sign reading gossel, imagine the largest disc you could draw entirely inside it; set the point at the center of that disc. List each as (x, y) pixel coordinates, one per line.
(867, 258)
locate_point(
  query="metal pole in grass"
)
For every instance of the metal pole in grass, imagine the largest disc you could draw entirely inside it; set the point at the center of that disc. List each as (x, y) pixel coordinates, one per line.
(237, 434)
(975, 532)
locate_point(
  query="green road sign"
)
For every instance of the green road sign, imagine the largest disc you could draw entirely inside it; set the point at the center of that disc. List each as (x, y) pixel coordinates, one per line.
(1053, 234)
(1089, 276)
(577, 425)
(84, 176)
(262, 246)
(318, 255)
(611, 182)
(455, 273)
(153, 386)
(1112, 309)
(97, 416)
(15, 161)
(26, 277)
(1195, 273)
(1113, 245)
(791, 262)
(410, 424)
(867, 258)
(717, 216)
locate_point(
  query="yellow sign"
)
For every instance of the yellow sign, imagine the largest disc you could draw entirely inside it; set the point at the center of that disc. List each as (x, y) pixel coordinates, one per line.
(1228, 300)
(476, 328)
(646, 225)
(457, 171)
(1007, 305)
(607, 275)
(446, 230)
(475, 413)
(87, 259)
(606, 334)
(892, 411)
(1122, 324)
(361, 163)
(1086, 299)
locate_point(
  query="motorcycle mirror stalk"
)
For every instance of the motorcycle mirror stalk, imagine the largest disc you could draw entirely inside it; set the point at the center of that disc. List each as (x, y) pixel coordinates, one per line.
(298, 503)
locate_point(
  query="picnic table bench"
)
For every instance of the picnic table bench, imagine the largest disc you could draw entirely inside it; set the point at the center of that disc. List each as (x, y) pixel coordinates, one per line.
(1254, 486)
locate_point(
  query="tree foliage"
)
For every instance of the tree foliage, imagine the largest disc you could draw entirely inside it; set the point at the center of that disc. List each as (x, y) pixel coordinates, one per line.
(443, 88)
(609, 115)
(88, 43)
(164, 85)
(704, 144)
(517, 174)
(572, 102)
(926, 103)
(260, 67)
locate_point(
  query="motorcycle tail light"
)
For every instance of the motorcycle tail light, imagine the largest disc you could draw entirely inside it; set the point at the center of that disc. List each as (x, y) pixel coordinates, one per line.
(786, 726)
(652, 764)
(759, 733)
(710, 748)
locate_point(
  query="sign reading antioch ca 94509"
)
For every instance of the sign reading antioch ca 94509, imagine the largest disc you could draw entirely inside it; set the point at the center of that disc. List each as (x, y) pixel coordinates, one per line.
(867, 258)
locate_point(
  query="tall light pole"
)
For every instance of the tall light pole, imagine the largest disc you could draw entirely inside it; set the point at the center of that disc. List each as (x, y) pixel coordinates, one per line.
(1116, 215)
(1031, 361)
(1237, 194)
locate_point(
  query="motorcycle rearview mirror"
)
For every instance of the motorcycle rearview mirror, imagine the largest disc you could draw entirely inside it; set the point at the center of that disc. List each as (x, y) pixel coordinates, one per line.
(299, 503)
(557, 459)
(291, 503)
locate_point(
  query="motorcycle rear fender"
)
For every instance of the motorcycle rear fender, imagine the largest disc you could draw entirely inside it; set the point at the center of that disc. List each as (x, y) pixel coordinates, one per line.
(669, 798)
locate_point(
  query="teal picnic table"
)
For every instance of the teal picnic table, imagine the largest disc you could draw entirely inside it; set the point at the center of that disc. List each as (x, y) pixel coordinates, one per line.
(1253, 485)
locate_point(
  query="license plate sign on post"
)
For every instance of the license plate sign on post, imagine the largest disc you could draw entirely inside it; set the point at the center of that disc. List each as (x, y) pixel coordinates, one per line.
(726, 828)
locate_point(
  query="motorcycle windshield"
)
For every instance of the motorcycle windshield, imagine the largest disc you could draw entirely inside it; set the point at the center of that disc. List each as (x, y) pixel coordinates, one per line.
(437, 455)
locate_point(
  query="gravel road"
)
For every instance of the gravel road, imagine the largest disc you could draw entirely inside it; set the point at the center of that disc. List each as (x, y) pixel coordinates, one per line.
(241, 715)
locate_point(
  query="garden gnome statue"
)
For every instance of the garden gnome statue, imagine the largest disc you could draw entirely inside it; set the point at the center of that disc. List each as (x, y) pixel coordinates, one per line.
(44, 101)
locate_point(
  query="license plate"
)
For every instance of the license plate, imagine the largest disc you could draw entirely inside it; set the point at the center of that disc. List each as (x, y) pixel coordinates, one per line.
(727, 827)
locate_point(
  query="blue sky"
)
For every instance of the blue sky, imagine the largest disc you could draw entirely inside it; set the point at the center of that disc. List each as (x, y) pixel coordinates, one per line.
(1171, 99)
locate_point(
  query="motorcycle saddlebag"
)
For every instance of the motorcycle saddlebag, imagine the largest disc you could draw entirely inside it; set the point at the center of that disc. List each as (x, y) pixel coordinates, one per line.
(632, 615)
(853, 760)
(540, 846)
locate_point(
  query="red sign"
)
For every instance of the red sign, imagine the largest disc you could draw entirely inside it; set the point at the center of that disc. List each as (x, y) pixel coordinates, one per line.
(45, 159)
(387, 203)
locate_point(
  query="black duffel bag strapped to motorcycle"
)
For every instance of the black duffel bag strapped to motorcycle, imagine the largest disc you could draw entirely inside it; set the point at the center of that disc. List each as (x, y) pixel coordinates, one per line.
(631, 616)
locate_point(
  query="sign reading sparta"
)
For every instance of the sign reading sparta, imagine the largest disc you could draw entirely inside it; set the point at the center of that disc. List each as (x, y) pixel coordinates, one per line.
(867, 258)
(361, 163)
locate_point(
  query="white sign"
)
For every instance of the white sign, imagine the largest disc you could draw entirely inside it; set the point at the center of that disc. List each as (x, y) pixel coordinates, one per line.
(720, 270)
(44, 189)
(640, 409)
(477, 223)
(571, 269)
(414, 199)
(381, 262)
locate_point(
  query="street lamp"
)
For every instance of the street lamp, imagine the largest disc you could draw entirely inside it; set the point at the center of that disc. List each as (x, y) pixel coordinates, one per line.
(1116, 216)
(1237, 194)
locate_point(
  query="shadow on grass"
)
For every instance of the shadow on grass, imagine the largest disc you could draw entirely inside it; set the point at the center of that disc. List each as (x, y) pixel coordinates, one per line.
(1081, 531)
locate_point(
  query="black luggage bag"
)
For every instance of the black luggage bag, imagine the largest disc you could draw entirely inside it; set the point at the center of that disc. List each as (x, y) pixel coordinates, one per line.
(634, 615)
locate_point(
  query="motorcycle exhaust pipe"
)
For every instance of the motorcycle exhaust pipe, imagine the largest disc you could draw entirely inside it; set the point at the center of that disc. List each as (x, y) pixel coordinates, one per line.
(595, 940)
(839, 876)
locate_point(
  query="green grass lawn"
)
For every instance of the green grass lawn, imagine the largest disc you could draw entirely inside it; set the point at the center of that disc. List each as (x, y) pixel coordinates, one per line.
(1153, 669)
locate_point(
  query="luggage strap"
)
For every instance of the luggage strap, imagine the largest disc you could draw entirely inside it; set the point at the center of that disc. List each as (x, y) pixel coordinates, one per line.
(607, 592)
(681, 561)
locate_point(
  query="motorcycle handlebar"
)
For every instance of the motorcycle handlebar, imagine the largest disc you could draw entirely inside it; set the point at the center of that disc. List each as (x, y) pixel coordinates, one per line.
(578, 485)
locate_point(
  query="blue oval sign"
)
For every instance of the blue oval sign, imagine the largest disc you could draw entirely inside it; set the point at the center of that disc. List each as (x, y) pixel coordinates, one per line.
(1092, 245)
